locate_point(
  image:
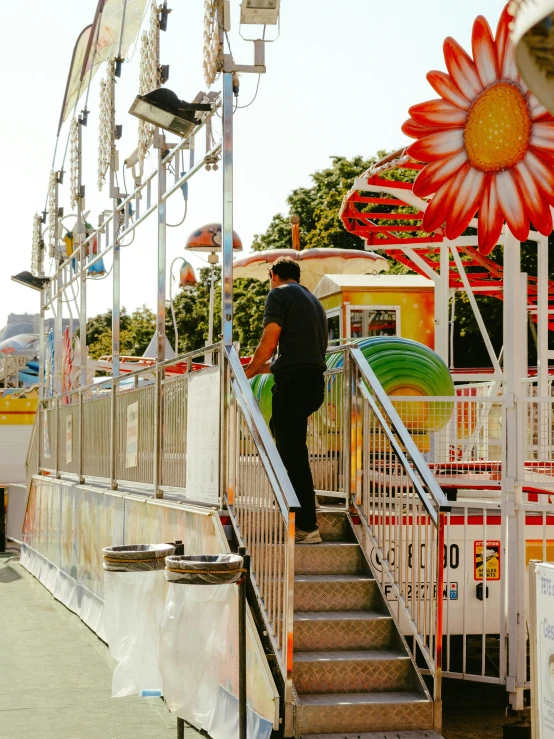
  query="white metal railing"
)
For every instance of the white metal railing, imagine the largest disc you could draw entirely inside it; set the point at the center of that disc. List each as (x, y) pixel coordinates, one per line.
(402, 509)
(85, 433)
(261, 501)
(327, 437)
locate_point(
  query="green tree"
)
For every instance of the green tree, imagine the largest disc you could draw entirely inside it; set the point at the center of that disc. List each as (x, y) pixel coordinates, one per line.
(192, 312)
(136, 330)
(318, 207)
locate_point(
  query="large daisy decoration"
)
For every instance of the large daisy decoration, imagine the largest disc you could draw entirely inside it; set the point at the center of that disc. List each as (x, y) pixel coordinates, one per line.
(487, 141)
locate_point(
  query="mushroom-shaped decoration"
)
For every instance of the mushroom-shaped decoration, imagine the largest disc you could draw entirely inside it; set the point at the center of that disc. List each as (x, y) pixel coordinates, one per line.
(209, 238)
(314, 263)
(187, 278)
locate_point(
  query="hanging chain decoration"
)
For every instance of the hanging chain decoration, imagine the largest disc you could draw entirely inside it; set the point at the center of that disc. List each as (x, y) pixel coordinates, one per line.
(150, 77)
(37, 252)
(52, 213)
(213, 41)
(106, 130)
(74, 164)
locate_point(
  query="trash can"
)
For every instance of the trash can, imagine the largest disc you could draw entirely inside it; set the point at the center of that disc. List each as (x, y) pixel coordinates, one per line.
(134, 594)
(192, 683)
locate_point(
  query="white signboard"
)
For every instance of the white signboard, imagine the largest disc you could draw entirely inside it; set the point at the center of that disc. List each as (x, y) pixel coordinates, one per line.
(68, 439)
(131, 449)
(45, 437)
(544, 670)
(203, 422)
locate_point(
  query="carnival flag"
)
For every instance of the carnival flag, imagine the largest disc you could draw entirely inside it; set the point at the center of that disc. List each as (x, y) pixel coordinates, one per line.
(100, 41)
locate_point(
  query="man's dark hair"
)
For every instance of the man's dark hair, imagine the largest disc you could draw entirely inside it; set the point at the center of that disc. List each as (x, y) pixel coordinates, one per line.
(286, 269)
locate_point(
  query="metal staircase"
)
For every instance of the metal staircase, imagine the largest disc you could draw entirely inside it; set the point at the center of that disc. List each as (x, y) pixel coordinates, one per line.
(351, 668)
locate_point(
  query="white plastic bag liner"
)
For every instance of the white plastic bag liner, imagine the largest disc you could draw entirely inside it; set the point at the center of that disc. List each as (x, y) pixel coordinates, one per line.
(198, 635)
(133, 611)
(224, 722)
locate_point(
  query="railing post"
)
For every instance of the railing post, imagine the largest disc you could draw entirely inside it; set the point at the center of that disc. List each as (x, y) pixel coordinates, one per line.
(58, 475)
(437, 693)
(346, 424)
(40, 421)
(158, 432)
(113, 434)
(288, 616)
(81, 434)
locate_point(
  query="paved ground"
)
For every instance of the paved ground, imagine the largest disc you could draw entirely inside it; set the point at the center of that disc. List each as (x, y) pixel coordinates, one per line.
(55, 674)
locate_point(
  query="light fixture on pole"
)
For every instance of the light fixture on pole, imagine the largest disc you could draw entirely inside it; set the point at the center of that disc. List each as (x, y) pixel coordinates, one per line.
(28, 280)
(163, 108)
(208, 240)
(188, 281)
(261, 12)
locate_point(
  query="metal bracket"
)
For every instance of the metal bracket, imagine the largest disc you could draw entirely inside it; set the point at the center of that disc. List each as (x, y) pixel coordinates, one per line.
(230, 66)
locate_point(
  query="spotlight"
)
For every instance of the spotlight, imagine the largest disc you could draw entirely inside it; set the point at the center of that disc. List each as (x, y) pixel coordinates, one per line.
(163, 108)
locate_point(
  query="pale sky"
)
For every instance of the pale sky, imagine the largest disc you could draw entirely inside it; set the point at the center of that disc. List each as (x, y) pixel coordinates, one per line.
(340, 79)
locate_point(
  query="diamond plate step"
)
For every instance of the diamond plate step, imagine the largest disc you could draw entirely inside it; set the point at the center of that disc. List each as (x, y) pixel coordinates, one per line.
(352, 672)
(333, 526)
(336, 592)
(353, 712)
(335, 557)
(425, 734)
(356, 630)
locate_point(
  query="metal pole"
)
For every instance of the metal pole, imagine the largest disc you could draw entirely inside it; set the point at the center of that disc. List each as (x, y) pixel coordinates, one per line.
(3, 523)
(81, 232)
(535, 716)
(242, 642)
(160, 322)
(42, 344)
(116, 289)
(511, 474)
(227, 267)
(213, 259)
(180, 728)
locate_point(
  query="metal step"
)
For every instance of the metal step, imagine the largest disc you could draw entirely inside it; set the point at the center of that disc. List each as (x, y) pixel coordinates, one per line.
(335, 557)
(353, 672)
(333, 713)
(346, 630)
(333, 526)
(336, 592)
(425, 734)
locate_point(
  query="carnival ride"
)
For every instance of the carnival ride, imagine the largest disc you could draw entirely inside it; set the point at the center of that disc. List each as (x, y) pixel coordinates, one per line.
(165, 452)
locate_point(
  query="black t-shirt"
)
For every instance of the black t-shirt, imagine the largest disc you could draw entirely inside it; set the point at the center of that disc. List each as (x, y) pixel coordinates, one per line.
(303, 339)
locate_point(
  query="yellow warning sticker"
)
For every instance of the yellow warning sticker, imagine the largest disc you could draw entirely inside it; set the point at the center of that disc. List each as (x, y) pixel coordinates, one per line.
(491, 555)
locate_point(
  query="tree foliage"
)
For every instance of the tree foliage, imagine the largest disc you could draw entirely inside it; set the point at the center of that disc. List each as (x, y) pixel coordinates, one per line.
(318, 207)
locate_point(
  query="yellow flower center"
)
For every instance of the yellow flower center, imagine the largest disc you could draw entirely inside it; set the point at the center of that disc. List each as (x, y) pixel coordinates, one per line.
(498, 128)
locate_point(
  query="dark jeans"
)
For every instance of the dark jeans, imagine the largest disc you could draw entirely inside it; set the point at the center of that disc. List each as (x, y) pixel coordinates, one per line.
(296, 395)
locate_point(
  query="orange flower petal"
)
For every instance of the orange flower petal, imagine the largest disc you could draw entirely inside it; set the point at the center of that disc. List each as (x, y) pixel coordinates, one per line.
(439, 207)
(443, 85)
(434, 112)
(543, 175)
(434, 175)
(490, 217)
(536, 205)
(538, 111)
(465, 203)
(511, 202)
(484, 51)
(437, 145)
(542, 135)
(417, 130)
(502, 36)
(461, 69)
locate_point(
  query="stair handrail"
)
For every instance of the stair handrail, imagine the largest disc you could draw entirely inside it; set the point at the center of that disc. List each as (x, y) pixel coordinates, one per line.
(285, 495)
(263, 518)
(437, 495)
(393, 512)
